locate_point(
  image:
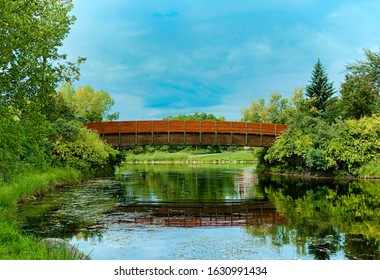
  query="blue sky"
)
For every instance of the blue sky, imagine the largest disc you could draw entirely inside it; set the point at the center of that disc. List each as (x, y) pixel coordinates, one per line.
(169, 57)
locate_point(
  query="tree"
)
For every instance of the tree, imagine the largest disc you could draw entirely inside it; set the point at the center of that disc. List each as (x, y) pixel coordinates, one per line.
(320, 90)
(87, 104)
(360, 91)
(196, 117)
(278, 110)
(369, 68)
(359, 97)
(31, 66)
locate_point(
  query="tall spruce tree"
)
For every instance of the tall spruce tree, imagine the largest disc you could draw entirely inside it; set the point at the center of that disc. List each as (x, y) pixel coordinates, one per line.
(320, 90)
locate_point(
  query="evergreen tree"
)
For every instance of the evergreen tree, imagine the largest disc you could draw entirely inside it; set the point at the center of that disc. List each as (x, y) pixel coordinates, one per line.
(320, 89)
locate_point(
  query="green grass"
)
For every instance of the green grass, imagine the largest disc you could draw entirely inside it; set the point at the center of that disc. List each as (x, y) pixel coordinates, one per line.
(14, 244)
(235, 156)
(161, 157)
(157, 157)
(370, 170)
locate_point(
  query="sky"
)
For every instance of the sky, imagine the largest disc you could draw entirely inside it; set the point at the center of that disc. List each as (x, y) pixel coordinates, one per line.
(167, 57)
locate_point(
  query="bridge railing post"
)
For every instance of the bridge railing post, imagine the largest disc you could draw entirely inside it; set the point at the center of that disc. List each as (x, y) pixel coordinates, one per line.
(152, 133)
(200, 132)
(119, 134)
(275, 130)
(184, 132)
(136, 128)
(246, 133)
(216, 133)
(168, 132)
(231, 140)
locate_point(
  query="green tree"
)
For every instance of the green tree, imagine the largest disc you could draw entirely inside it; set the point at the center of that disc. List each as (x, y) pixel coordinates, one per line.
(23, 142)
(369, 68)
(86, 104)
(31, 66)
(195, 117)
(36, 126)
(359, 97)
(320, 90)
(278, 110)
(360, 91)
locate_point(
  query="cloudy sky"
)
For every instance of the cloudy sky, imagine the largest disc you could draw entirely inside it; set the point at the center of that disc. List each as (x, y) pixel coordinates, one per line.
(169, 57)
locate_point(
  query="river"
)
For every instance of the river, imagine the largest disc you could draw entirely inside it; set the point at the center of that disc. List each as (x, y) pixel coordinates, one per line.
(212, 212)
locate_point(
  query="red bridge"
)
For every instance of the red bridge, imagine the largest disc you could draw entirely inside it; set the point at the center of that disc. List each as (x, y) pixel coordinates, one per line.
(141, 133)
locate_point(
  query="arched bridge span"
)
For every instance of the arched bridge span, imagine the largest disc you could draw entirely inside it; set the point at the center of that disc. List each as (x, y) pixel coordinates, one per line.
(173, 132)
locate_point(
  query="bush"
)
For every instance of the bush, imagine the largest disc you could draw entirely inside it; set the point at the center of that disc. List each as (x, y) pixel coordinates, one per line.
(76, 146)
(313, 145)
(371, 169)
(23, 142)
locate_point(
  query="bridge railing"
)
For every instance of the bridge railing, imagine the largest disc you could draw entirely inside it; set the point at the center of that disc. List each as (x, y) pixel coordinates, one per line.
(175, 126)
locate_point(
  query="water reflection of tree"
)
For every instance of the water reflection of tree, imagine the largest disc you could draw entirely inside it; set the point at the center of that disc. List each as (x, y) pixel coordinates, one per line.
(180, 183)
(328, 216)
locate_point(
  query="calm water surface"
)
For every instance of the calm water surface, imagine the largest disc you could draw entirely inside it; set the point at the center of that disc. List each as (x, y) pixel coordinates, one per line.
(214, 212)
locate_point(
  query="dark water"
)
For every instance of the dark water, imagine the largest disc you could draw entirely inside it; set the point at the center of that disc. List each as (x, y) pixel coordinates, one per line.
(214, 212)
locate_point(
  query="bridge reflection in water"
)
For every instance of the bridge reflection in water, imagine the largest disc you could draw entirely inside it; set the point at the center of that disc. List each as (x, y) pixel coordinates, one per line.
(193, 214)
(231, 199)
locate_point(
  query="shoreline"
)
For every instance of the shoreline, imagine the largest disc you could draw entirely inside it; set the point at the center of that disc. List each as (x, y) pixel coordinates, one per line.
(16, 245)
(320, 176)
(189, 162)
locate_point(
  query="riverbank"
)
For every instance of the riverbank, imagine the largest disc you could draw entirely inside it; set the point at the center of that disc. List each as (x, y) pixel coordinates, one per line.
(239, 157)
(30, 185)
(370, 171)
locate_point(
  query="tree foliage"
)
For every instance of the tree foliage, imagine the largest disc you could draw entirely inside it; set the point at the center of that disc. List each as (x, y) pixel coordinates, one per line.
(36, 126)
(315, 146)
(330, 135)
(361, 88)
(87, 105)
(278, 110)
(75, 146)
(320, 90)
(31, 65)
(195, 117)
(359, 97)
(23, 142)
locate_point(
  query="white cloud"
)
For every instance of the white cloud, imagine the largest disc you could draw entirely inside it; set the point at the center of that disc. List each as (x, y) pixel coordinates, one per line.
(171, 57)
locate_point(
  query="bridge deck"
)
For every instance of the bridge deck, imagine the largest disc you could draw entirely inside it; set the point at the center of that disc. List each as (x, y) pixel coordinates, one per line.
(139, 133)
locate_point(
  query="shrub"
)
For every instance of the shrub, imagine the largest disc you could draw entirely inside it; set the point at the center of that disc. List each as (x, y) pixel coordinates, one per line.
(76, 146)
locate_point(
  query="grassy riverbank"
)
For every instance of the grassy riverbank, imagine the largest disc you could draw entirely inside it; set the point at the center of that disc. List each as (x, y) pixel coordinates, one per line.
(190, 158)
(14, 244)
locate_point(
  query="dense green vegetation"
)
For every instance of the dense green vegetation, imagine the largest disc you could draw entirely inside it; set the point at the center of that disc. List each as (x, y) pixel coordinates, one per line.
(327, 134)
(40, 129)
(39, 126)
